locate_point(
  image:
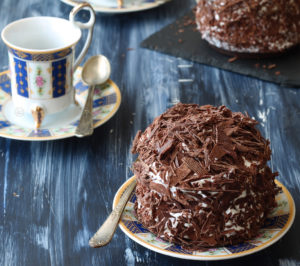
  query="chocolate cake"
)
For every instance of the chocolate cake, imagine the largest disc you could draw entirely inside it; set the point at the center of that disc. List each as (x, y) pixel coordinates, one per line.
(253, 27)
(202, 176)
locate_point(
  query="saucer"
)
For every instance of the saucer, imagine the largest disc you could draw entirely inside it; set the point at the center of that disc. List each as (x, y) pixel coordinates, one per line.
(276, 226)
(111, 7)
(107, 100)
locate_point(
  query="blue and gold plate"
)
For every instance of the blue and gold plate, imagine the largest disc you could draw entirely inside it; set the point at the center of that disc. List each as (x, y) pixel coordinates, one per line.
(275, 227)
(111, 6)
(107, 99)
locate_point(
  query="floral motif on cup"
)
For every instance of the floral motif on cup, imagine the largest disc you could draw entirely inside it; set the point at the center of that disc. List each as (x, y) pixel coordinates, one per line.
(39, 81)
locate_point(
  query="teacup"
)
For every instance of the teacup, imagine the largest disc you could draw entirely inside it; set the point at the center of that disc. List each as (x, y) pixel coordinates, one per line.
(41, 60)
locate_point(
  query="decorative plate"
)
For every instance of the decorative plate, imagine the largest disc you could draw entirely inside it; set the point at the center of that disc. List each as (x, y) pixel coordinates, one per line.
(107, 100)
(276, 226)
(111, 6)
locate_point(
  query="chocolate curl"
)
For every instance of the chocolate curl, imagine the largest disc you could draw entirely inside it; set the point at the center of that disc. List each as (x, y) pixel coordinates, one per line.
(181, 173)
(194, 166)
(165, 148)
(135, 142)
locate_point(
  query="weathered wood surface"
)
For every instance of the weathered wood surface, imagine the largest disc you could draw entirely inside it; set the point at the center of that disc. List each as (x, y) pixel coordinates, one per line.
(54, 195)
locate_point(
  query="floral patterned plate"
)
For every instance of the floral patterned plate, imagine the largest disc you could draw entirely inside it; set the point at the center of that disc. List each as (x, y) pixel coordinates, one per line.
(111, 6)
(276, 226)
(107, 100)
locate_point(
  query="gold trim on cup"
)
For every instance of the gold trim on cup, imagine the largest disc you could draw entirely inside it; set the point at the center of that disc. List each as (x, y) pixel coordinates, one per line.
(60, 53)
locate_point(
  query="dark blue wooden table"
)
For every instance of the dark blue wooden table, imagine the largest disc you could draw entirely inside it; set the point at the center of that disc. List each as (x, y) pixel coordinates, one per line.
(54, 195)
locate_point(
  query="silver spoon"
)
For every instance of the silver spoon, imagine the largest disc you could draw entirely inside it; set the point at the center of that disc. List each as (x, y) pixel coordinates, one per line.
(96, 71)
(105, 233)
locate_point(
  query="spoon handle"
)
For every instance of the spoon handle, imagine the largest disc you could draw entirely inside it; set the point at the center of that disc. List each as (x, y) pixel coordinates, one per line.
(105, 233)
(86, 126)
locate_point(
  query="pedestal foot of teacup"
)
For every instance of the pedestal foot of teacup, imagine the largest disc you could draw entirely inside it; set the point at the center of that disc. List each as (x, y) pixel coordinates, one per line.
(120, 3)
(38, 115)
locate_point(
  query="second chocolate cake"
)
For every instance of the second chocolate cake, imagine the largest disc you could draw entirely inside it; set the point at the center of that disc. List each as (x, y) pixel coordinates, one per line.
(250, 27)
(202, 176)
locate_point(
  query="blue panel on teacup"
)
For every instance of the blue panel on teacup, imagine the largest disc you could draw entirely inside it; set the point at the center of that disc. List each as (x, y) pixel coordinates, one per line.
(40, 57)
(58, 78)
(5, 83)
(21, 77)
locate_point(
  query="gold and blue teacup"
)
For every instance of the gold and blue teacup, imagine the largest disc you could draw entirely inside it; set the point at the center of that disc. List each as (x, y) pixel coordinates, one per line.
(41, 60)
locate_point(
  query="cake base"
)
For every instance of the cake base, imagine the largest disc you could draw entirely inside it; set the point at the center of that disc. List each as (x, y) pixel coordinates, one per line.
(253, 55)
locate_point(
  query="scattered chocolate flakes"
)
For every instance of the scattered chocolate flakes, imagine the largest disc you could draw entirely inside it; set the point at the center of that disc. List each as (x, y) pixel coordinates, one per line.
(202, 176)
(232, 59)
(271, 66)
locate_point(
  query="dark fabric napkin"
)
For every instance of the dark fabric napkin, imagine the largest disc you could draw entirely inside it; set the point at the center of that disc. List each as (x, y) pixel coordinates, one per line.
(181, 39)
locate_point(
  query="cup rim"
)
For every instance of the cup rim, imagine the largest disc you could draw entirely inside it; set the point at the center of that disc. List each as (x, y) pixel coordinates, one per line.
(38, 51)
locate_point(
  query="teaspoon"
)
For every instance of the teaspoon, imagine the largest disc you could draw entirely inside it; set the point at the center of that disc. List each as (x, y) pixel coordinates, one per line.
(105, 233)
(96, 71)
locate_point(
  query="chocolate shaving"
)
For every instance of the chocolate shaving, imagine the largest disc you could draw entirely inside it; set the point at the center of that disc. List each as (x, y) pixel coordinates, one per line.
(165, 148)
(182, 172)
(135, 141)
(195, 166)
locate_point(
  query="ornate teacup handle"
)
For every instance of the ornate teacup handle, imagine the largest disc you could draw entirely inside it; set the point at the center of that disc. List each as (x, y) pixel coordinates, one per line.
(88, 25)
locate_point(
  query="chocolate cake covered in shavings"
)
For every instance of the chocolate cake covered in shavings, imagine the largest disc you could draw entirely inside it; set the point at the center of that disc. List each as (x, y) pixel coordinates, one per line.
(263, 27)
(202, 176)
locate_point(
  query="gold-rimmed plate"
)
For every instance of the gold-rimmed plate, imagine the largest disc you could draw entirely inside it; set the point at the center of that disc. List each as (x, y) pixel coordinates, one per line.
(276, 226)
(111, 6)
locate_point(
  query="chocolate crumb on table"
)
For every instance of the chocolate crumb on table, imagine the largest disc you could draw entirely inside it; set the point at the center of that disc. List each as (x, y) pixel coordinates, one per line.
(232, 59)
(271, 66)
